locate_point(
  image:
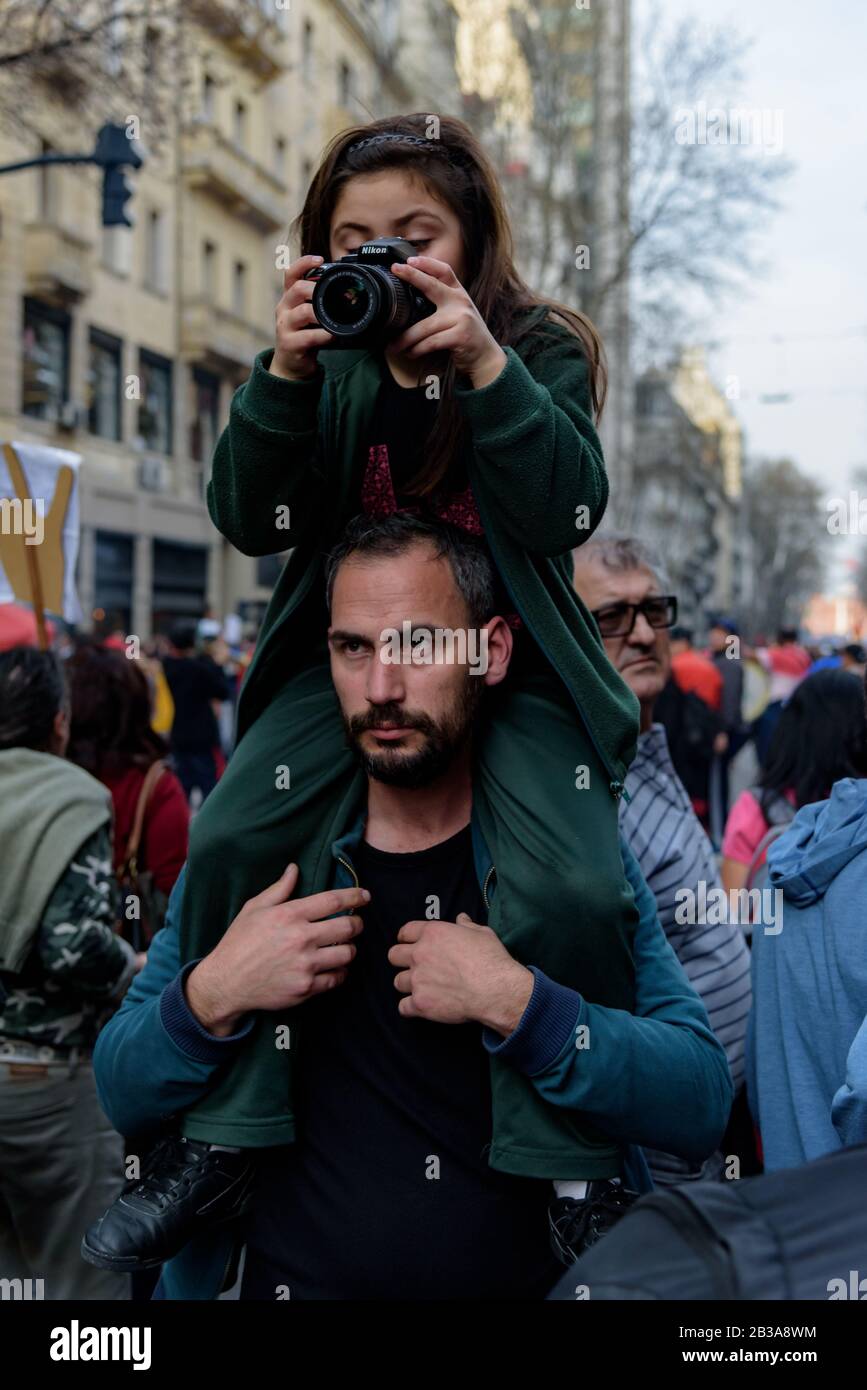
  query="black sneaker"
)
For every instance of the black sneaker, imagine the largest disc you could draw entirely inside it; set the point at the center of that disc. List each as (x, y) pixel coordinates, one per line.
(576, 1223)
(187, 1187)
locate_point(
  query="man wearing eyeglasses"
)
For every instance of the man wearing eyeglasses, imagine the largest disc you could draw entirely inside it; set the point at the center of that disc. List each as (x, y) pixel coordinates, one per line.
(624, 586)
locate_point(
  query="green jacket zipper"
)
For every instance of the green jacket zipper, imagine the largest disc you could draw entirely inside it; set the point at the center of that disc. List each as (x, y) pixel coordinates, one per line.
(348, 866)
(488, 876)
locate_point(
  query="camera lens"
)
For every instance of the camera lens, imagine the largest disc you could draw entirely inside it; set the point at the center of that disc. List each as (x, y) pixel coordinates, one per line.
(346, 301)
(364, 302)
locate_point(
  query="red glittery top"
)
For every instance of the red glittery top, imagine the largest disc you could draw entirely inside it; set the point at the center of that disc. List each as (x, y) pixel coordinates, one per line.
(378, 498)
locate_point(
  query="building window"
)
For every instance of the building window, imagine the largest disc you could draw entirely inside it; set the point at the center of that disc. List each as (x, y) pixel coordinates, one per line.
(152, 51)
(306, 175)
(113, 580)
(180, 583)
(209, 98)
(209, 270)
(279, 156)
(206, 415)
(268, 570)
(155, 406)
(155, 251)
(47, 191)
(45, 353)
(239, 289)
(104, 374)
(388, 20)
(345, 84)
(115, 36)
(240, 125)
(307, 51)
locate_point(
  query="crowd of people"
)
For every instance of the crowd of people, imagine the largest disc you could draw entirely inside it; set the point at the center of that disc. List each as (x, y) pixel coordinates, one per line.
(407, 988)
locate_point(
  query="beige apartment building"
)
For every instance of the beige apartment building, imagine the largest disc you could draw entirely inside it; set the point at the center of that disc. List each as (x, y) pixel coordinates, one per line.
(127, 344)
(688, 485)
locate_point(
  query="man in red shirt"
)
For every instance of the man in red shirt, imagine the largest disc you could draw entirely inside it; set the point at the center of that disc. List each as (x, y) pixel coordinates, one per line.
(693, 672)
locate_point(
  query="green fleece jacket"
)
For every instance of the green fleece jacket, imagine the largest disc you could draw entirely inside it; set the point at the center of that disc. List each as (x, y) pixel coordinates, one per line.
(48, 809)
(535, 466)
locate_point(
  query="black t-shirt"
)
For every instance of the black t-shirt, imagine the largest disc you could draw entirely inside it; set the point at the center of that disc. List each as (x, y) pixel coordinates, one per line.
(194, 682)
(388, 1193)
(402, 421)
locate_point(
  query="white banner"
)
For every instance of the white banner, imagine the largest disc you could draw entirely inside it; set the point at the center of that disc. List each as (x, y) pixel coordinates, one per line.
(39, 526)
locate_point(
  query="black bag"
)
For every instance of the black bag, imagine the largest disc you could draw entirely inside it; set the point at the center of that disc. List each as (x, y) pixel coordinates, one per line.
(784, 1235)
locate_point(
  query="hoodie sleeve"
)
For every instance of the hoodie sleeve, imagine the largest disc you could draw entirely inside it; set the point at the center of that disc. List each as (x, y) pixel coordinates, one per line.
(153, 1059)
(266, 479)
(536, 451)
(849, 1107)
(657, 1078)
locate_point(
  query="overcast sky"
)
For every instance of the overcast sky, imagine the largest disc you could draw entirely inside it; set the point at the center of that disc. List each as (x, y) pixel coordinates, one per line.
(803, 329)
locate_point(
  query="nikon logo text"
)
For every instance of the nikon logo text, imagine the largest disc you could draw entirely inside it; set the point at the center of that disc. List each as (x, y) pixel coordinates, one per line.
(76, 1343)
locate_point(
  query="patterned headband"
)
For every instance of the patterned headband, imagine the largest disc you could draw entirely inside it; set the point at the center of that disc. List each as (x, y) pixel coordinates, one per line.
(387, 136)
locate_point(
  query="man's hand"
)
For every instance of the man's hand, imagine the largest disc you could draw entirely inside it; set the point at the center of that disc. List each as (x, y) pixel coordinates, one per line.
(459, 972)
(276, 954)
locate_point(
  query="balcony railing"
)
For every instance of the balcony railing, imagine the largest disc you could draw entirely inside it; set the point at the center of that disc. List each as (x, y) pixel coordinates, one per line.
(250, 28)
(57, 263)
(217, 338)
(219, 168)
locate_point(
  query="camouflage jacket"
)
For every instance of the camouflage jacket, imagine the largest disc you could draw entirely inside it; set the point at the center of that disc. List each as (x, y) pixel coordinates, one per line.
(78, 968)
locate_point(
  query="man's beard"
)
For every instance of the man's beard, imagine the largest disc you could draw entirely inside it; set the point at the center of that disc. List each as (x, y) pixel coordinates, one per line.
(444, 739)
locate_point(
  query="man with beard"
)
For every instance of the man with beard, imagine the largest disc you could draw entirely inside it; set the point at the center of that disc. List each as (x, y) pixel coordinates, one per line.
(406, 995)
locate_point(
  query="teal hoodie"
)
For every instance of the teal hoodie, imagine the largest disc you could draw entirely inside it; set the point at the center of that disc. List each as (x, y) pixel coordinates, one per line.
(657, 1077)
(807, 1037)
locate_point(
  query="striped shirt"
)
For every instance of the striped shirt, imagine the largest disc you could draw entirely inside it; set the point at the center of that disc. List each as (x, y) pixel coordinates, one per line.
(674, 853)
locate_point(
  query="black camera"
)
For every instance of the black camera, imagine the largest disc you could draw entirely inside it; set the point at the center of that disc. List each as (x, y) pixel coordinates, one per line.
(359, 300)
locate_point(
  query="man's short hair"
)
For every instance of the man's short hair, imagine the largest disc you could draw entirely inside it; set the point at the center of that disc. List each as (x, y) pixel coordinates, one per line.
(393, 535)
(623, 553)
(182, 636)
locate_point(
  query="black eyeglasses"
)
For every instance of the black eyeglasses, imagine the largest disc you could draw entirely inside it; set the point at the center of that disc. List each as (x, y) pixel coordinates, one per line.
(618, 619)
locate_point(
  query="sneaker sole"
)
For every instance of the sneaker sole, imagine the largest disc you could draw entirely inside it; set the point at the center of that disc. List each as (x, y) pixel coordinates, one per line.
(130, 1264)
(119, 1264)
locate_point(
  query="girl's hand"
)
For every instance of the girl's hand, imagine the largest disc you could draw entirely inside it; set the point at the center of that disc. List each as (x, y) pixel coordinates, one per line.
(456, 326)
(296, 343)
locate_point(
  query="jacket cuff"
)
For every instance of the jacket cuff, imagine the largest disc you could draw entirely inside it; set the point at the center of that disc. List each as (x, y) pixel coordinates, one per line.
(186, 1031)
(495, 411)
(545, 1027)
(273, 403)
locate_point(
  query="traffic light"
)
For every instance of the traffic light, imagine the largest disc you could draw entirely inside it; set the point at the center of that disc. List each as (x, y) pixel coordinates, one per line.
(115, 192)
(115, 151)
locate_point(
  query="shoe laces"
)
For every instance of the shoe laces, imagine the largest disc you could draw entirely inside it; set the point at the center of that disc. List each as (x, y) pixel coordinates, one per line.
(170, 1168)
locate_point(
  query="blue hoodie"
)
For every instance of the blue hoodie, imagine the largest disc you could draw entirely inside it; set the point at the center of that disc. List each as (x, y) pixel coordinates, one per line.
(807, 1036)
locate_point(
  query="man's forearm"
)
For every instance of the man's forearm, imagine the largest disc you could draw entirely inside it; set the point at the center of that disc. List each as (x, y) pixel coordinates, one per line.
(208, 1003)
(507, 999)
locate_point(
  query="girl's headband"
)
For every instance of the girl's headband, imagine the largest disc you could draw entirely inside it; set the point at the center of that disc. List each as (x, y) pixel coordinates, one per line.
(387, 136)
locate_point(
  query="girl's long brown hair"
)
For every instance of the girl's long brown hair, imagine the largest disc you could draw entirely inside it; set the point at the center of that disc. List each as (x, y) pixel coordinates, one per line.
(456, 169)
